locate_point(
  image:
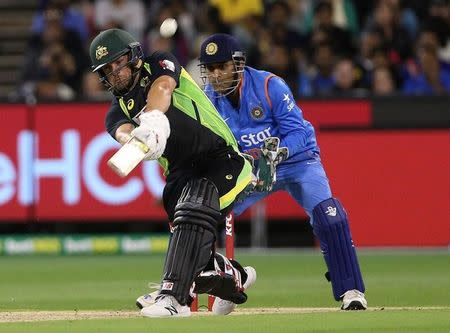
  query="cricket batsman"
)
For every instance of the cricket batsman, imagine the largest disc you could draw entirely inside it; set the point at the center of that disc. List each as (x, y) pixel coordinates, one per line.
(261, 111)
(157, 103)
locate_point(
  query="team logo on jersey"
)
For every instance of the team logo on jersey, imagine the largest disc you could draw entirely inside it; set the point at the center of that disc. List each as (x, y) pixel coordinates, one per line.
(257, 113)
(130, 104)
(167, 64)
(211, 49)
(101, 52)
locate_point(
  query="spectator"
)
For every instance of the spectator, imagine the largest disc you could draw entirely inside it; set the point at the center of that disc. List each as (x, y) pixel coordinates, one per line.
(369, 41)
(407, 18)
(93, 90)
(55, 61)
(323, 19)
(321, 77)
(278, 17)
(210, 21)
(193, 66)
(177, 44)
(438, 22)
(279, 62)
(249, 34)
(126, 14)
(427, 77)
(343, 15)
(383, 82)
(386, 22)
(233, 11)
(346, 78)
(271, 32)
(72, 19)
(380, 58)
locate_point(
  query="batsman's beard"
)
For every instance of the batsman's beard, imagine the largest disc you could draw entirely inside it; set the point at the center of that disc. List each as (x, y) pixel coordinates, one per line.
(122, 84)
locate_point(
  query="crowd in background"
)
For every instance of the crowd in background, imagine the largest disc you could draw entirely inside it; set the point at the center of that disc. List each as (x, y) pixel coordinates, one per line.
(319, 47)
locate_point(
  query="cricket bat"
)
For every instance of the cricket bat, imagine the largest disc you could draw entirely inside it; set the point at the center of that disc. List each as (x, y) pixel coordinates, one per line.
(128, 157)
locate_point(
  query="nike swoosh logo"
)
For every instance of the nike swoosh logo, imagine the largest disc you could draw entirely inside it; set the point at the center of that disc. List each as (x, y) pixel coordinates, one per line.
(226, 119)
(311, 162)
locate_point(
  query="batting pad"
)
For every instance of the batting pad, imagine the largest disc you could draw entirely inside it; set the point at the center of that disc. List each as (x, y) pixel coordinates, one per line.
(331, 227)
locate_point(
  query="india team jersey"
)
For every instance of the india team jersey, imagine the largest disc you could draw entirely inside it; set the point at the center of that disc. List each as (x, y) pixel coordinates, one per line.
(267, 108)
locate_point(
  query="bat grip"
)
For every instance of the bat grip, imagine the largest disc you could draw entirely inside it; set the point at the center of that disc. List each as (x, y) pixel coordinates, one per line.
(138, 143)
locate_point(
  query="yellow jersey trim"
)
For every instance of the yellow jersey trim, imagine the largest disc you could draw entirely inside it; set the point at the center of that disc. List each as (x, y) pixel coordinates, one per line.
(243, 180)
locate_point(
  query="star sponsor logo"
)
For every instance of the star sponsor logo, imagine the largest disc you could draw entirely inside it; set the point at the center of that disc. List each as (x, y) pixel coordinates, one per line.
(167, 64)
(252, 139)
(290, 103)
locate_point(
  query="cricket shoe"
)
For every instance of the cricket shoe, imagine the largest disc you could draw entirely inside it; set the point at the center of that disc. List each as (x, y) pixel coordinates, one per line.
(166, 306)
(148, 299)
(353, 300)
(222, 307)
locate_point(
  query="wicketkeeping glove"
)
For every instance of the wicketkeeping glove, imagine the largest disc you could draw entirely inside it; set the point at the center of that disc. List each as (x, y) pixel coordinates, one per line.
(154, 130)
(250, 188)
(271, 156)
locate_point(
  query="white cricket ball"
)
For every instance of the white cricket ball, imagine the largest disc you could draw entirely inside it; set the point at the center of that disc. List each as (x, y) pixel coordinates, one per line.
(168, 27)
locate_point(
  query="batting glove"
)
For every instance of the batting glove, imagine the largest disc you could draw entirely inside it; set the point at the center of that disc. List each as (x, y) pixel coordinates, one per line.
(154, 130)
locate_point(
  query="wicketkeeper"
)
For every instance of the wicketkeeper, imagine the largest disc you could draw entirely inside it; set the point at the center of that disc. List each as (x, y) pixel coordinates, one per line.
(265, 119)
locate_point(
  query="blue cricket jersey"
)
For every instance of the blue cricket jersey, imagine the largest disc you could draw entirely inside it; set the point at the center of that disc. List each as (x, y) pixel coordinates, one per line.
(267, 108)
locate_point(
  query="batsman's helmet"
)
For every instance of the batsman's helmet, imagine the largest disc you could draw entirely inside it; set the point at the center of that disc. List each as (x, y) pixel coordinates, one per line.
(220, 48)
(108, 46)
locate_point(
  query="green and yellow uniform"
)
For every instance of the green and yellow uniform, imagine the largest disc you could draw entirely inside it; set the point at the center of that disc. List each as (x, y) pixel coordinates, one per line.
(200, 143)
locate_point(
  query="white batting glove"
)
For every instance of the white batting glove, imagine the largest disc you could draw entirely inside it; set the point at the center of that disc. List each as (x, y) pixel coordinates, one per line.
(154, 131)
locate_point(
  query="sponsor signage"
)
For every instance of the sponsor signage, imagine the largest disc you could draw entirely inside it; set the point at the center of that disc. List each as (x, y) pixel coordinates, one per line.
(394, 184)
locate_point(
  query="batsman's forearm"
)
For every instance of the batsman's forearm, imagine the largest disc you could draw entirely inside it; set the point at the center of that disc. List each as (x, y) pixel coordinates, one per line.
(123, 133)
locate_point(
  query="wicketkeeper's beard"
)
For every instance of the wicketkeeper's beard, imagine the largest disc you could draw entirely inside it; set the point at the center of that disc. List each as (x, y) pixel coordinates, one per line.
(224, 88)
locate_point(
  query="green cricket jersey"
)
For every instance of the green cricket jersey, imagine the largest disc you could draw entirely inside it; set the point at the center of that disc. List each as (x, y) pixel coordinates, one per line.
(197, 130)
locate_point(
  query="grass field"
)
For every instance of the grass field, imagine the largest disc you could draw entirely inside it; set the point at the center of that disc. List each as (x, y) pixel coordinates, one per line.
(407, 291)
